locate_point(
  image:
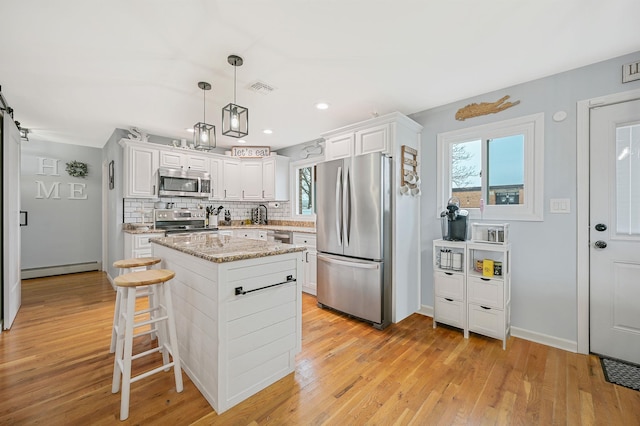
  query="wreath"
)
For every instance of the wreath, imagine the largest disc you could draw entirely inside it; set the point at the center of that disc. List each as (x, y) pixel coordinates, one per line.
(77, 169)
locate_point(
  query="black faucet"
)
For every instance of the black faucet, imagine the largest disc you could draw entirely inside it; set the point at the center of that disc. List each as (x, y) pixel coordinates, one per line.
(266, 212)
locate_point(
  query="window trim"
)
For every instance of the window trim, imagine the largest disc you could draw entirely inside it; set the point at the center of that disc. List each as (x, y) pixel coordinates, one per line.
(532, 126)
(293, 167)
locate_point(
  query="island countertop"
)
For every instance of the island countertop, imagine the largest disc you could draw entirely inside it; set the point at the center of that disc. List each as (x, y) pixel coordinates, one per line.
(224, 248)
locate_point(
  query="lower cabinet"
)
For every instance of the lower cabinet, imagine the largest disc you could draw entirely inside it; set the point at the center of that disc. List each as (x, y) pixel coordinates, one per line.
(469, 296)
(138, 245)
(310, 268)
(254, 234)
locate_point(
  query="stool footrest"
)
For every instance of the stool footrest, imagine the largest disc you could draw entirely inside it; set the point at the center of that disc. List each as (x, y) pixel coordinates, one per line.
(151, 372)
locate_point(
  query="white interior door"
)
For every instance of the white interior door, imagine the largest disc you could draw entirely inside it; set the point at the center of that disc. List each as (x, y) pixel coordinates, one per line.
(615, 231)
(12, 288)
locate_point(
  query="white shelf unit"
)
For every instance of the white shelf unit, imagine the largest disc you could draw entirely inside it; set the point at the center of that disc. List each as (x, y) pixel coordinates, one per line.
(450, 290)
(473, 300)
(490, 233)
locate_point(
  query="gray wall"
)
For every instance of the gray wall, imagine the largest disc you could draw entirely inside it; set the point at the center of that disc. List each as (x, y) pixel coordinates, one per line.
(61, 231)
(544, 253)
(112, 151)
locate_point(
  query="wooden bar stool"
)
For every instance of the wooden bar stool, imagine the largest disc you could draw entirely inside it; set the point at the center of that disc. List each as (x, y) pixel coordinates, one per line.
(126, 265)
(162, 316)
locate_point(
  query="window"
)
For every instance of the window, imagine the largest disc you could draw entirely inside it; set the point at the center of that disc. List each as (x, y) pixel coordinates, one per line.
(498, 164)
(304, 189)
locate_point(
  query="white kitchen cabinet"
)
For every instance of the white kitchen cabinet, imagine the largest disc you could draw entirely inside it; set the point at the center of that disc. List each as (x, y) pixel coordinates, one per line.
(340, 146)
(140, 170)
(359, 141)
(184, 160)
(254, 234)
(138, 245)
(310, 267)
(372, 139)
(227, 232)
(217, 179)
(251, 178)
(275, 178)
(232, 179)
(467, 292)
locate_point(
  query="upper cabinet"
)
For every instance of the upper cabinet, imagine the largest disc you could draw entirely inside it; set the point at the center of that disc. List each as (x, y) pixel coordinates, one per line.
(140, 167)
(340, 146)
(358, 141)
(275, 178)
(184, 160)
(380, 134)
(251, 177)
(232, 179)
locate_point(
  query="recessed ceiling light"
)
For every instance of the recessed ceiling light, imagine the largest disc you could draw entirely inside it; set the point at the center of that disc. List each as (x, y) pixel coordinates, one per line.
(267, 131)
(322, 105)
(241, 141)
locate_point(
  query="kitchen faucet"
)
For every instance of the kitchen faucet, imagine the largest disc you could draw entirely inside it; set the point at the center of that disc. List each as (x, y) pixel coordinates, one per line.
(266, 221)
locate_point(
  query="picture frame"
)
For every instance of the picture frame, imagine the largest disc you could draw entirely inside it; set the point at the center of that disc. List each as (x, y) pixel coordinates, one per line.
(111, 175)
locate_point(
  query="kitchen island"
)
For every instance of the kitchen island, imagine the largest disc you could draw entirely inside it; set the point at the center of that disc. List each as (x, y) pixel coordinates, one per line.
(238, 310)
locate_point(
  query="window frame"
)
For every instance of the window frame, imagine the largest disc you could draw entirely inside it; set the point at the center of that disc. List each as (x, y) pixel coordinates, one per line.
(532, 126)
(293, 173)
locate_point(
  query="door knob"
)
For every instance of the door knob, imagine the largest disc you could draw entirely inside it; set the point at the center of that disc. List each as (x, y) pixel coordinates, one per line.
(601, 227)
(600, 244)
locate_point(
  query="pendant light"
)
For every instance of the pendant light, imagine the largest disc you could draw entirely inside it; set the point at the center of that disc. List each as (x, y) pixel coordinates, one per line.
(235, 118)
(204, 135)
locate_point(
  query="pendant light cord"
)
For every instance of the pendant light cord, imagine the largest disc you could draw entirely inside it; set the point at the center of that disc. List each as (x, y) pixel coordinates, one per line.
(235, 69)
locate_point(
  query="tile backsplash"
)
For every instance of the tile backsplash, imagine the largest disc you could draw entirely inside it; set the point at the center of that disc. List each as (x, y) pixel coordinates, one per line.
(137, 208)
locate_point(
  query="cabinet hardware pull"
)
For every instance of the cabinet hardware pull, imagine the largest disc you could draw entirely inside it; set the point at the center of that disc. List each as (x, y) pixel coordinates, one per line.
(239, 291)
(306, 256)
(448, 273)
(485, 279)
(448, 300)
(154, 190)
(485, 307)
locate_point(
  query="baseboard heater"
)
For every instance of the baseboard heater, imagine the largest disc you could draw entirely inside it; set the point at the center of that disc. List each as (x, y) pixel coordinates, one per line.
(48, 271)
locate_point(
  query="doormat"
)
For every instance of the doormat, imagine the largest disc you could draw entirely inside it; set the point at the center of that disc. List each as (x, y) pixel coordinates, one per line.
(621, 373)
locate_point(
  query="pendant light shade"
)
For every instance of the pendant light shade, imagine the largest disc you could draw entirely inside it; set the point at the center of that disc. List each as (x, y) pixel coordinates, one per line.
(235, 118)
(204, 135)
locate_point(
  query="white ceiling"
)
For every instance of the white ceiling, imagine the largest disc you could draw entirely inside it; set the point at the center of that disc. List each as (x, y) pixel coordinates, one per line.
(74, 70)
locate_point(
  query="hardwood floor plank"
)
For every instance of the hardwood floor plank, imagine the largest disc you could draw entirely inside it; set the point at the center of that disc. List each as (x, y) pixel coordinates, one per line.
(55, 369)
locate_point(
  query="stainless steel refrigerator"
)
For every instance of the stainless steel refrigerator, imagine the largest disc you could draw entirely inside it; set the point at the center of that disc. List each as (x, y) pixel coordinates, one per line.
(354, 236)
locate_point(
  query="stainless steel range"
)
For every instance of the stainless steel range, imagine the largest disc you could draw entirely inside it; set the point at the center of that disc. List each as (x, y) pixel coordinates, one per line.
(181, 221)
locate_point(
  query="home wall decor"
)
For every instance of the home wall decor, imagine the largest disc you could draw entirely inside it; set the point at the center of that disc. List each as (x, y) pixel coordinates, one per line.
(484, 108)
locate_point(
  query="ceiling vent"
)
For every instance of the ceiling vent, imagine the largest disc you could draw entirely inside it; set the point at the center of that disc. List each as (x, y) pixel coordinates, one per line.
(261, 87)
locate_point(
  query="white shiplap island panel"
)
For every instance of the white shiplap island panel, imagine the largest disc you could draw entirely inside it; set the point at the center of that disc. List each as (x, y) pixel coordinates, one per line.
(232, 346)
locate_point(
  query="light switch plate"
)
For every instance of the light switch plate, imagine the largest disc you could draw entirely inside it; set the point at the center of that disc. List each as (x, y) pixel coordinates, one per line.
(559, 205)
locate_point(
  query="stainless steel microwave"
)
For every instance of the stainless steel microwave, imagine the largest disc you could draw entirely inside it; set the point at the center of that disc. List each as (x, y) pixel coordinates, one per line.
(183, 183)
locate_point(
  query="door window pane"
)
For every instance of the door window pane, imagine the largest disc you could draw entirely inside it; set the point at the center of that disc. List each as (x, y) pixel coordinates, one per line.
(628, 179)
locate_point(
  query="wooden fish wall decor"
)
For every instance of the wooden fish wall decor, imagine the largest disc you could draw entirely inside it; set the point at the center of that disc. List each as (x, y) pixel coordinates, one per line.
(484, 108)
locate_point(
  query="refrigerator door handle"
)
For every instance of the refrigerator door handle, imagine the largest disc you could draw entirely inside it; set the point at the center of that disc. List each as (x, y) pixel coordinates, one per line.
(351, 264)
(347, 210)
(339, 205)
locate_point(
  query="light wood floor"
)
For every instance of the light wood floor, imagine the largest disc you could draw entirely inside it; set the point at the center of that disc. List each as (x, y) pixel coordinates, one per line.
(55, 369)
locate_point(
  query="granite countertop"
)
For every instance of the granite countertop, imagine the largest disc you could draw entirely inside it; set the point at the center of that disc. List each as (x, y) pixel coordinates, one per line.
(143, 231)
(303, 229)
(223, 248)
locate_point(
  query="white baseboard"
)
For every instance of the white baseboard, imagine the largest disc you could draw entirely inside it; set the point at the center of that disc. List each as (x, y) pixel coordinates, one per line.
(532, 336)
(110, 279)
(545, 339)
(426, 311)
(60, 270)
